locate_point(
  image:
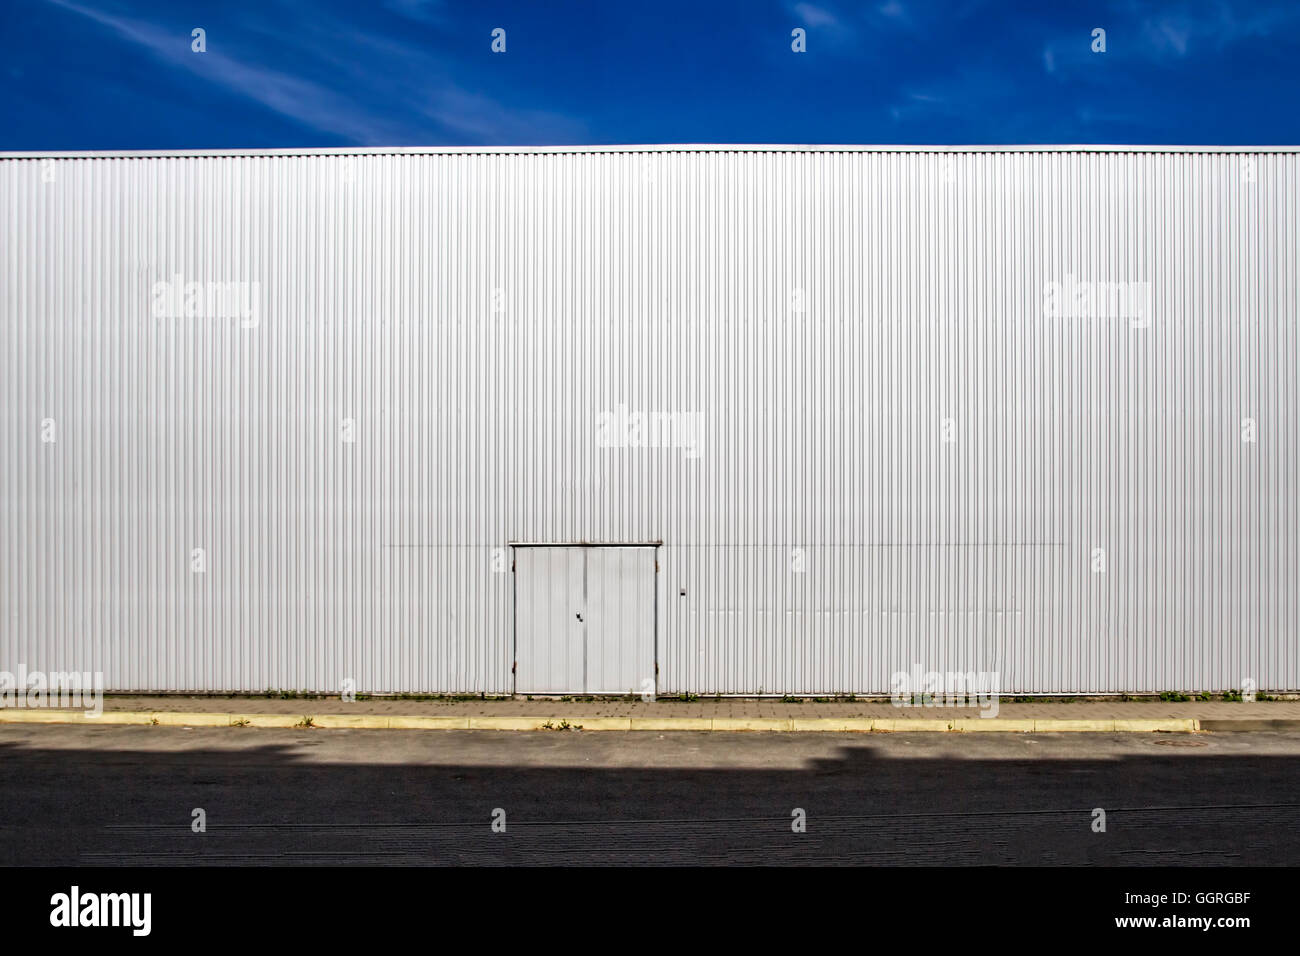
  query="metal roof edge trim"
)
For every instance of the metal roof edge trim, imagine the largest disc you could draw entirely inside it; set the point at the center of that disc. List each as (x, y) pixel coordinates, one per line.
(644, 148)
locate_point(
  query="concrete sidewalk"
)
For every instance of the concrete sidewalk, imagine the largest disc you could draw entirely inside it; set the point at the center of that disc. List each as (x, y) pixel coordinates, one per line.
(721, 714)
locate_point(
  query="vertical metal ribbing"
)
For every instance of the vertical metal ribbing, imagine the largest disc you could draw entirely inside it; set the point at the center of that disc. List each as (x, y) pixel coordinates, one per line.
(373, 559)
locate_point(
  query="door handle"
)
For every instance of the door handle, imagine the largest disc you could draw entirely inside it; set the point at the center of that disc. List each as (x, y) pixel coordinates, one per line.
(579, 617)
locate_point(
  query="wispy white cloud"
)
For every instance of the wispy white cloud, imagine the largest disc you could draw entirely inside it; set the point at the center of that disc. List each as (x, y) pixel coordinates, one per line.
(1180, 28)
(420, 102)
(1167, 33)
(913, 104)
(813, 16)
(1177, 31)
(302, 100)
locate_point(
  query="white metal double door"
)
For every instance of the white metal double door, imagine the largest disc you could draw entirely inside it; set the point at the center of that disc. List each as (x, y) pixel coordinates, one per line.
(584, 619)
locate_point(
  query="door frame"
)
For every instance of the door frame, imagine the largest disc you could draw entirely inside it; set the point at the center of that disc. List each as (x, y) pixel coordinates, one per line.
(514, 596)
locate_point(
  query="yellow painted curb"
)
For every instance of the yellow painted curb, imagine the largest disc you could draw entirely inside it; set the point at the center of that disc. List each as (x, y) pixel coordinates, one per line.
(182, 719)
(353, 721)
(512, 723)
(1169, 725)
(751, 723)
(118, 717)
(721, 724)
(992, 725)
(846, 725)
(671, 723)
(266, 720)
(912, 725)
(418, 722)
(1055, 725)
(600, 723)
(22, 716)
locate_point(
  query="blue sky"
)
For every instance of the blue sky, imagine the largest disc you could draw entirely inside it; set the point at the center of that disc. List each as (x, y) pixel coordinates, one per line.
(118, 74)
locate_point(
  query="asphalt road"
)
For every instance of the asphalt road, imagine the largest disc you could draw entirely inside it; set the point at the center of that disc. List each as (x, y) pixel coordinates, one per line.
(91, 795)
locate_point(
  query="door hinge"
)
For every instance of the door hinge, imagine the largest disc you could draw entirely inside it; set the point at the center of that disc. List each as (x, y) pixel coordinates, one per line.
(514, 668)
(656, 565)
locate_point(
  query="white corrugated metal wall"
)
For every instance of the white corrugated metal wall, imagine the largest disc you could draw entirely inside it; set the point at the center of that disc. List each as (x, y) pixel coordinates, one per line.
(940, 457)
